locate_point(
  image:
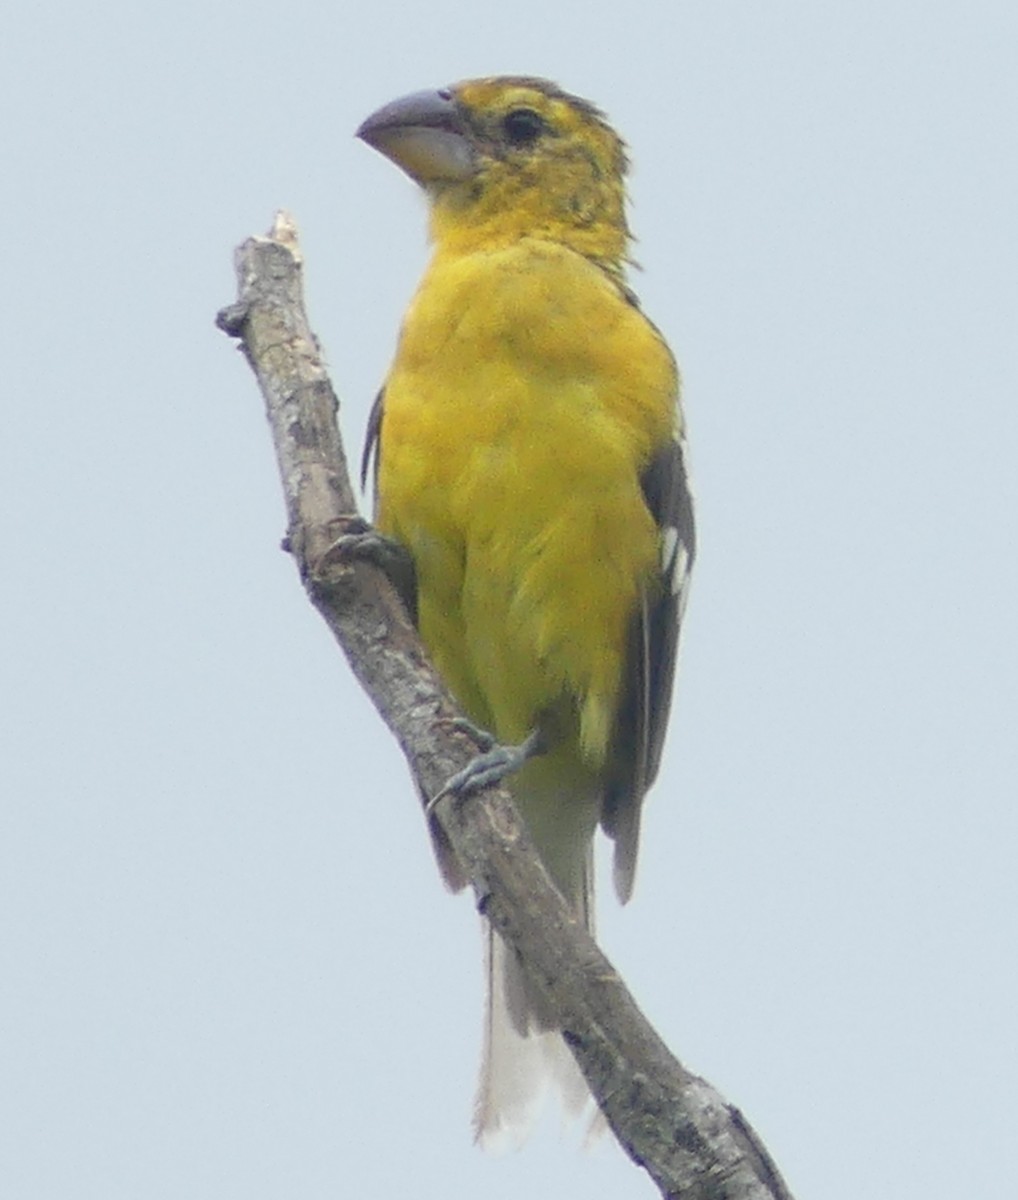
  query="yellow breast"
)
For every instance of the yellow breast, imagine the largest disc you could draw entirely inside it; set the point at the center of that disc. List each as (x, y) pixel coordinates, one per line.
(526, 397)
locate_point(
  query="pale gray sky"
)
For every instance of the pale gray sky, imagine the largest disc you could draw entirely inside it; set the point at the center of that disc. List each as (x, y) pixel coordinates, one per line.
(227, 968)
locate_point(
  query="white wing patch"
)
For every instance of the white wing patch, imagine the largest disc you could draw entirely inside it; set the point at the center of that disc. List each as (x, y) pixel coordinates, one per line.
(680, 572)
(669, 544)
(675, 563)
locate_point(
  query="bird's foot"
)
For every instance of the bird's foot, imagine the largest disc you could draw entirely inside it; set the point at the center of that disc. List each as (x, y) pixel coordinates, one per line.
(363, 541)
(495, 763)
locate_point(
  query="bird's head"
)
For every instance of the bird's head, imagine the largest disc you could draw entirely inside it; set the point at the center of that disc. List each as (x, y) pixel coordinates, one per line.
(510, 157)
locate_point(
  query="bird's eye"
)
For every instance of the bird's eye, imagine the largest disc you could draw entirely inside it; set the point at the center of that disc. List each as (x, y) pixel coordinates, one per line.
(523, 126)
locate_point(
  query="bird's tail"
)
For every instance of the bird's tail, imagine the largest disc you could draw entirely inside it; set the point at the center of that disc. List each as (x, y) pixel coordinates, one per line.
(524, 1055)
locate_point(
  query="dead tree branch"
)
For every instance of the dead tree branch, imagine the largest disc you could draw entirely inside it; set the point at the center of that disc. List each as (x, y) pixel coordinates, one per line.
(691, 1141)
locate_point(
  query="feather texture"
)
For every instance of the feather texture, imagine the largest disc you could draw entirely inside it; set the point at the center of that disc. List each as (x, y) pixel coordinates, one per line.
(529, 458)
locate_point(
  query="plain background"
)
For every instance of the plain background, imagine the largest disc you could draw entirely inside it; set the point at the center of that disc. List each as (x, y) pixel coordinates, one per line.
(228, 970)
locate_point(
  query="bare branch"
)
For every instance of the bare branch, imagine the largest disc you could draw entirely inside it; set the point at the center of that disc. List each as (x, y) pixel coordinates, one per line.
(690, 1140)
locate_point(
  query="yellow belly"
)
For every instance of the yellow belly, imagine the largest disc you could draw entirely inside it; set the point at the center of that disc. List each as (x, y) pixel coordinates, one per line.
(525, 399)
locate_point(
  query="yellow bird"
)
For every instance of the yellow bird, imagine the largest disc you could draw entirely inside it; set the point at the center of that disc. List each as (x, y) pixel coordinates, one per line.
(531, 463)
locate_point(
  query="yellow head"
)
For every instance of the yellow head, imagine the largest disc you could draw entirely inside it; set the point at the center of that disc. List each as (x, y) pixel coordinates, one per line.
(510, 157)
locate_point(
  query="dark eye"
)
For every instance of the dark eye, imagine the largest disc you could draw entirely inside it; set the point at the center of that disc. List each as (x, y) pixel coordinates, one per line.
(523, 126)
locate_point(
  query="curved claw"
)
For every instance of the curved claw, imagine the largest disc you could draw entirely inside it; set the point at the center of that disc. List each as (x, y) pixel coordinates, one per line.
(363, 541)
(491, 766)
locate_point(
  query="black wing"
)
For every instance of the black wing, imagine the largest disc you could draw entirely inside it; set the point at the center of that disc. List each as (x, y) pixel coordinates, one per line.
(372, 440)
(650, 665)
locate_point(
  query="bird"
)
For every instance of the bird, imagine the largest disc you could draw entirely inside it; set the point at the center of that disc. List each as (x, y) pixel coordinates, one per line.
(529, 460)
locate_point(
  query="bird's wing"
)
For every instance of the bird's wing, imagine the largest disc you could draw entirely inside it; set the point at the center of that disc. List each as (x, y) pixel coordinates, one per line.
(452, 873)
(373, 439)
(650, 664)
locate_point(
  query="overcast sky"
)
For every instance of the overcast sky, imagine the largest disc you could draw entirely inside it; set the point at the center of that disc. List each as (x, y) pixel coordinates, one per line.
(228, 970)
